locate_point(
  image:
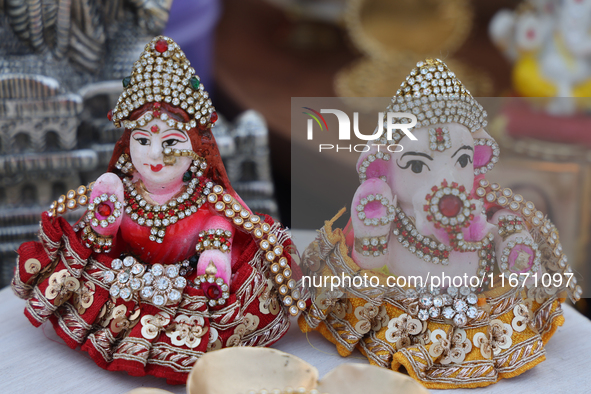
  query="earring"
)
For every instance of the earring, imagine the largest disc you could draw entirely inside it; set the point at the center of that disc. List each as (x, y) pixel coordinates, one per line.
(364, 168)
(479, 146)
(198, 167)
(124, 164)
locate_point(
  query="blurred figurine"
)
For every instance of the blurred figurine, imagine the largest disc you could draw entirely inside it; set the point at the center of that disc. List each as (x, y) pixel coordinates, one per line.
(550, 43)
(458, 262)
(79, 30)
(167, 262)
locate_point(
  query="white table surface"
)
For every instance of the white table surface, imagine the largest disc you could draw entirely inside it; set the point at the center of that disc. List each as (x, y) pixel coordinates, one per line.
(35, 360)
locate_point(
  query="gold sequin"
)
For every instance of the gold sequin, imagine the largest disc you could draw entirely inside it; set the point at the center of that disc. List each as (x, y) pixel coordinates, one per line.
(32, 266)
(61, 286)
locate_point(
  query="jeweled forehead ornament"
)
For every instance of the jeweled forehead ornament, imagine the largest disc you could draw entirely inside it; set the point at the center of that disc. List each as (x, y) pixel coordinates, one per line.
(439, 139)
(435, 95)
(163, 74)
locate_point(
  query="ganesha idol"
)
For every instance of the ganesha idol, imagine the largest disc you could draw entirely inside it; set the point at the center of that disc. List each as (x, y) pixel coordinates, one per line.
(477, 310)
(550, 44)
(166, 262)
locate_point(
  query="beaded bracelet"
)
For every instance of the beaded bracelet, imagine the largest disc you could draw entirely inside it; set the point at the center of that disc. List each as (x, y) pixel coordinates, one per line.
(509, 224)
(98, 243)
(214, 239)
(372, 246)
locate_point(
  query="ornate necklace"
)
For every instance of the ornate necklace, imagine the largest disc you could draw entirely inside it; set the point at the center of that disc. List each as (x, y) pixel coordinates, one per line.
(158, 217)
(421, 246)
(438, 253)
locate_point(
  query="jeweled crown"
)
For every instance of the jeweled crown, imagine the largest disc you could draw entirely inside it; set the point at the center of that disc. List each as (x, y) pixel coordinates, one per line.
(434, 94)
(163, 74)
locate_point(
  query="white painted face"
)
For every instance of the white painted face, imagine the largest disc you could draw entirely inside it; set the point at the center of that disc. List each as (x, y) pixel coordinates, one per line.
(146, 146)
(418, 168)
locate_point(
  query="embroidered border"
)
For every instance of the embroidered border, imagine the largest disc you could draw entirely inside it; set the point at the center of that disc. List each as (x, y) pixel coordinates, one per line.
(71, 323)
(39, 307)
(180, 360)
(103, 340)
(133, 349)
(20, 288)
(520, 355)
(269, 333)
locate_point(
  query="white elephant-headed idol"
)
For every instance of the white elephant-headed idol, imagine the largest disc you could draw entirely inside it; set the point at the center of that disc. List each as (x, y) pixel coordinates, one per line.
(550, 43)
(452, 265)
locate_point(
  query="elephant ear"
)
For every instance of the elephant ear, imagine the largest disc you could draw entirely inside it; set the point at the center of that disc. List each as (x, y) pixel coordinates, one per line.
(486, 152)
(373, 164)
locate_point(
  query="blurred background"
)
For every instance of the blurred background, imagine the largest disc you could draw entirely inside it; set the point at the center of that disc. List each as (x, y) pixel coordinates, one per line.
(61, 69)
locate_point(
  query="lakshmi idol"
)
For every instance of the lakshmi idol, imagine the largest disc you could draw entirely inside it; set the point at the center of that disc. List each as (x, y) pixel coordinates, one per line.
(428, 212)
(167, 262)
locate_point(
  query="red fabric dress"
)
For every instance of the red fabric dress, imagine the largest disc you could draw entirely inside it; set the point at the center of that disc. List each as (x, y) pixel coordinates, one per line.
(63, 281)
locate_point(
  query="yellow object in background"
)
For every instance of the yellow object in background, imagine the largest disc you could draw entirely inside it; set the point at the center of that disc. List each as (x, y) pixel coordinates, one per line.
(528, 81)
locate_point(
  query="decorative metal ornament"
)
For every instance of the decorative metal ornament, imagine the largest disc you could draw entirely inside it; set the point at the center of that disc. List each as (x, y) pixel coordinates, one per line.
(439, 139)
(449, 206)
(214, 239)
(125, 278)
(216, 290)
(494, 156)
(103, 210)
(421, 246)
(509, 225)
(382, 221)
(372, 246)
(363, 168)
(458, 305)
(163, 74)
(435, 95)
(521, 255)
(163, 284)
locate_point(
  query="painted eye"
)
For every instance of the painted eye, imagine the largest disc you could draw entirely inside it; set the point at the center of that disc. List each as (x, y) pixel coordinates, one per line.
(464, 160)
(143, 141)
(416, 166)
(170, 142)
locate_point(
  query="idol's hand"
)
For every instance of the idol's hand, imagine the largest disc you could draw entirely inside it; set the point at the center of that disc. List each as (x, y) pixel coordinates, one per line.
(515, 249)
(105, 208)
(371, 217)
(221, 262)
(214, 267)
